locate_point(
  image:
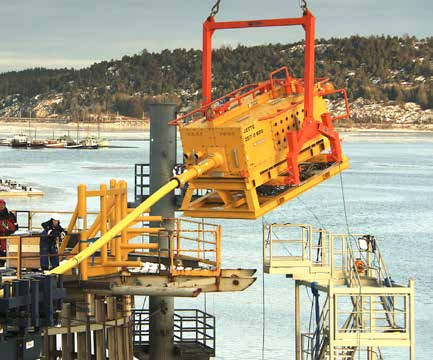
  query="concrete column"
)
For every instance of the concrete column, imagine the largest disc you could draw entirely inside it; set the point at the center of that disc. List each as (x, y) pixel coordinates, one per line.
(162, 161)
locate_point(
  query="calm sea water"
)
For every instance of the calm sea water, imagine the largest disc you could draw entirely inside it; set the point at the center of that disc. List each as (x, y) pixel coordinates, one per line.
(388, 191)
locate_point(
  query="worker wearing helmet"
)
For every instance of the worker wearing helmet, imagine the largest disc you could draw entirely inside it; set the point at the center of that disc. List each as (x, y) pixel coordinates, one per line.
(52, 234)
(8, 225)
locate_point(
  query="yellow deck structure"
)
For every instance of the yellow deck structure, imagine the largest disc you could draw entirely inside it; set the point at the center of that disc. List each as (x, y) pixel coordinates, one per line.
(133, 261)
(363, 309)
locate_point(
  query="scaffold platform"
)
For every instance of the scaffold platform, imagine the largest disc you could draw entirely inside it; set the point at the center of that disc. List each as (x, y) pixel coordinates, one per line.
(362, 309)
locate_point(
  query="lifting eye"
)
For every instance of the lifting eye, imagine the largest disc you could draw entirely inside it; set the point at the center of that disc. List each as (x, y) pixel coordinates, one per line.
(198, 155)
(185, 156)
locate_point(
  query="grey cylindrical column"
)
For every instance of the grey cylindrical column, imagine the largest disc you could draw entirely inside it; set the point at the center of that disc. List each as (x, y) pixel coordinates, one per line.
(162, 162)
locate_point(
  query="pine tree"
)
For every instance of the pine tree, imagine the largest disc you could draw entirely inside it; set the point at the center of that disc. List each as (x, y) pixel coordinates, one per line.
(422, 97)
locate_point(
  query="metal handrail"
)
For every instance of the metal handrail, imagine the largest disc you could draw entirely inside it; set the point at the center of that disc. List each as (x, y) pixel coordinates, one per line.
(191, 326)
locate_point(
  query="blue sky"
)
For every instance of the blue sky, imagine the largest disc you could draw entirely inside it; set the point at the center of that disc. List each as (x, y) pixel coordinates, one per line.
(76, 33)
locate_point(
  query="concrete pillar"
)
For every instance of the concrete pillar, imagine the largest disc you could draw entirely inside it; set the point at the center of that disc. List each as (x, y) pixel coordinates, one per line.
(162, 161)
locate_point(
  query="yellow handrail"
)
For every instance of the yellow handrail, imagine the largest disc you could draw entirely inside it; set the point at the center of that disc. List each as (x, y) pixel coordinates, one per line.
(213, 161)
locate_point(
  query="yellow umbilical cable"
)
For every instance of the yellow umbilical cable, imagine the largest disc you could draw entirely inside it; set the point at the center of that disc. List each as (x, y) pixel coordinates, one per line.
(211, 162)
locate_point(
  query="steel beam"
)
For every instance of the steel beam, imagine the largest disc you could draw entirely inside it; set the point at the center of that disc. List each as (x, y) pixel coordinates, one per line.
(162, 162)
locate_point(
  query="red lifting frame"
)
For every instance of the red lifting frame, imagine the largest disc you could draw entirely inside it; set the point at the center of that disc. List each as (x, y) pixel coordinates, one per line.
(310, 127)
(307, 21)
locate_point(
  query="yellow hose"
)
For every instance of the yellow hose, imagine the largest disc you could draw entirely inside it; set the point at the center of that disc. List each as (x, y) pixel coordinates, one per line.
(178, 181)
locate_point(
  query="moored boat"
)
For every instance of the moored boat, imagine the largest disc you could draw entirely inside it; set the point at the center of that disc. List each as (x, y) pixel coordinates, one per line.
(89, 143)
(73, 145)
(103, 143)
(5, 142)
(55, 144)
(37, 144)
(10, 188)
(20, 141)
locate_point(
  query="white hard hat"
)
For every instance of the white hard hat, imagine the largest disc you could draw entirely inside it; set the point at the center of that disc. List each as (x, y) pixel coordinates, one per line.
(55, 216)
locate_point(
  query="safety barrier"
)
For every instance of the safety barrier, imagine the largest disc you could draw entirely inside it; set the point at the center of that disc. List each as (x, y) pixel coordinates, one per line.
(198, 241)
(191, 327)
(193, 242)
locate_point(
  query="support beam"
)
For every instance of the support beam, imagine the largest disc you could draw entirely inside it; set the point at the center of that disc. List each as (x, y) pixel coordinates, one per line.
(111, 333)
(142, 291)
(162, 161)
(81, 315)
(99, 342)
(297, 322)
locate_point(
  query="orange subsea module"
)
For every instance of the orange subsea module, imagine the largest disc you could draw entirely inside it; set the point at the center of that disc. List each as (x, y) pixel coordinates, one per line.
(276, 137)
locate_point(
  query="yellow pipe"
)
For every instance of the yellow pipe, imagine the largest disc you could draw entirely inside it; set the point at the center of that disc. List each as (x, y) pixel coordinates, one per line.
(123, 207)
(70, 228)
(96, 226)
(140, 246)
(213, 161)
(103, 206)
(82, 217)
(93, 193)
(178, 181)
(132, 209)
(149, 218)
(118, 218)
(123, 264)
(144, 230)
(116, 229)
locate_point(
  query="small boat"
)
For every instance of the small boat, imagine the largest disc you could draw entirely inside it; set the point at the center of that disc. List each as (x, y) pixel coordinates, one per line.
(37, 144)
(55, 144)
(20, 141)
(89, 143)
(5, 142)
(73, 145)
(103, 143)
(12, 188)
(69, 143)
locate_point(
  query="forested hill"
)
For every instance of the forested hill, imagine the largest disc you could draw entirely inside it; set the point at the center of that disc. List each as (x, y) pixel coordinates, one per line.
(378, 68)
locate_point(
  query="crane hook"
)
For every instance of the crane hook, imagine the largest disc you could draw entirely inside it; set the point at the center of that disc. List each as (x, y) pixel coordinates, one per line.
(215, 9)
(303, 5)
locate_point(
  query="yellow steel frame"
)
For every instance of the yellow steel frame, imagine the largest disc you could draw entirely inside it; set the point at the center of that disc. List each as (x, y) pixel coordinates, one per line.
(113, 208)
(252, 139)
(203, 241)
(190, 240)
(246, 203)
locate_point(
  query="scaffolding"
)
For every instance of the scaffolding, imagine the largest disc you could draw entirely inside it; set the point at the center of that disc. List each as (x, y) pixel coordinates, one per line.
(363, 308)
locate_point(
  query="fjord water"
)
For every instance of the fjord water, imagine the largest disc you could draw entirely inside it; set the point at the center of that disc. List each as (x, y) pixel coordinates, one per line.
(388, 193)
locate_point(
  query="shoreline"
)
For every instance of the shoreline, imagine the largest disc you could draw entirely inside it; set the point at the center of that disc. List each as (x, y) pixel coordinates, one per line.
(53, 130)
(381, 130)
(140, 129)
